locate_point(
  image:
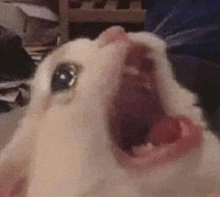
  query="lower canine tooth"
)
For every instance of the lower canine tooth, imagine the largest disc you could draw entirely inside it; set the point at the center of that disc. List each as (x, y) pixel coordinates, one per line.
(184, 129)
(135, 150)
(149, 146)
(141, 150)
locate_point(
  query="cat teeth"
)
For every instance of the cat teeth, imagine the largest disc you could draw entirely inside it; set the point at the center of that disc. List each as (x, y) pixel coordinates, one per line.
(148, 86)
(141, 150)
(184, 129)
(150, 146)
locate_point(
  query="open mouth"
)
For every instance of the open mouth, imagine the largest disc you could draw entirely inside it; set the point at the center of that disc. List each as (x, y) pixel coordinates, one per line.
(139, 124)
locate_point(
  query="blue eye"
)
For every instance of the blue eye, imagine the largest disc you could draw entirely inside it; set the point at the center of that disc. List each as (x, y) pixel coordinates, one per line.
(63, 78)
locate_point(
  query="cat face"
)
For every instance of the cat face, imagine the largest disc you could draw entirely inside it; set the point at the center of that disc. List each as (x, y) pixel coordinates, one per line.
(107, 118)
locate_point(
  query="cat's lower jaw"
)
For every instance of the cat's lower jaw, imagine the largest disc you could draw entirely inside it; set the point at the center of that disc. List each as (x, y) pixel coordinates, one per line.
(197, 175)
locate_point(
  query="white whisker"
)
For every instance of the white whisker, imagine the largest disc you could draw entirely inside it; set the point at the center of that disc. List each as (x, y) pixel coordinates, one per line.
(187, 35)
(163, 22)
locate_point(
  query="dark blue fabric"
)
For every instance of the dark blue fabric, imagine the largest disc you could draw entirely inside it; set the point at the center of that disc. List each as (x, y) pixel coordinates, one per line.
(152, 3)
(195, 27)
(192, 34)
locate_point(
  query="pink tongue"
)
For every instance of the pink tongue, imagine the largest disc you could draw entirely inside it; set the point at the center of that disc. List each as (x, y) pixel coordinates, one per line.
(165, 132)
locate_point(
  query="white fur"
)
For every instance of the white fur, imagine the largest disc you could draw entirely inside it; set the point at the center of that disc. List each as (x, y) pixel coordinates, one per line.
(64, 137)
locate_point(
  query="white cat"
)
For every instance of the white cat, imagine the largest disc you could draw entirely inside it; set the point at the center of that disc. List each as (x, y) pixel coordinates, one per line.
(107, 119)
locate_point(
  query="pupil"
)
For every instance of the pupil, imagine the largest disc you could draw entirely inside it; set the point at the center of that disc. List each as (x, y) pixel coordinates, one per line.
(64, 76)
(62, 79)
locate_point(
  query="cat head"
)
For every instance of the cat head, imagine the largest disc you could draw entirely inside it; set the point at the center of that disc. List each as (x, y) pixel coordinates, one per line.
(110, 117)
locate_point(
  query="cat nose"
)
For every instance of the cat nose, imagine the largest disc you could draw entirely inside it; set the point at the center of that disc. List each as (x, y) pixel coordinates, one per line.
(111, 35)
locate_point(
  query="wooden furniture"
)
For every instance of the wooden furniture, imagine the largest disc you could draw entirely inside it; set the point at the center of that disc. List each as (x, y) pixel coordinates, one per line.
(110, 11)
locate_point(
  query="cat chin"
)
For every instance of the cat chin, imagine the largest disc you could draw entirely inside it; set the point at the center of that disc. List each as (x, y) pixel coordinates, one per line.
(196, 174)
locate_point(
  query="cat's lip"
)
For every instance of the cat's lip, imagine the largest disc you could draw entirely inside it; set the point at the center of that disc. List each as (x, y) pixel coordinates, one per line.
(137, 115)
(149, 157)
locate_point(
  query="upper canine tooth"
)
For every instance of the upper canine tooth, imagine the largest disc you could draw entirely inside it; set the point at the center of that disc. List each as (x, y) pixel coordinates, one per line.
(147, 85)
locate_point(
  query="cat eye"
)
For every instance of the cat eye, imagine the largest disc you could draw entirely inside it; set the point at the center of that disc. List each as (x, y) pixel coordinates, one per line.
(64, 77)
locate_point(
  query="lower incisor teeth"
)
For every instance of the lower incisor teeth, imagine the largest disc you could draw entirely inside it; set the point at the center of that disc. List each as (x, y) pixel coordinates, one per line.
(141, 150)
